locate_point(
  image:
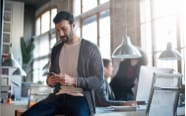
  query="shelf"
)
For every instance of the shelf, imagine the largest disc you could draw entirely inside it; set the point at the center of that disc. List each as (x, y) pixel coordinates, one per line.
(7, 22)
(8, 6)
(7, 43)
(6, 32)
(6, 49)
(7, 16)
(7, 27)
(13, 30)
(8, 11)
(6, 37)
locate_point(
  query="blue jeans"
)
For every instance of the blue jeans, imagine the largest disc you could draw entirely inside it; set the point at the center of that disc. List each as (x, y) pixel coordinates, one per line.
(60, 104)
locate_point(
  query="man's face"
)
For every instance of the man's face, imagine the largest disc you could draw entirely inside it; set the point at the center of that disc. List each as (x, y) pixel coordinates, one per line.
(64, 30)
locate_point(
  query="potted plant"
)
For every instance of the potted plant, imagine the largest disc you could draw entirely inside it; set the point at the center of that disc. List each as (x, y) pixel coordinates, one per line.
(27, 57)
(27, 61)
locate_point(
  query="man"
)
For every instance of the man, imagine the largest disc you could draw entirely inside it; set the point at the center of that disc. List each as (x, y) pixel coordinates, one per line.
(76, 71)
(108, 71)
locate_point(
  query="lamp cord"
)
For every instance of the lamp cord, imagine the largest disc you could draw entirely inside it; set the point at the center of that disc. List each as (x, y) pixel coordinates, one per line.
(126, 3)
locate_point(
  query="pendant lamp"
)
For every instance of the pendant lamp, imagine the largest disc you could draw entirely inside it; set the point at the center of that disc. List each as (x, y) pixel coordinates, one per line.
(170, 53)
(126, 49)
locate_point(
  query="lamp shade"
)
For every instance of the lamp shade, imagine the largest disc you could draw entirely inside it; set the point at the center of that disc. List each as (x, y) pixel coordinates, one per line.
(126, 50)
(12, 62)
(170, 53)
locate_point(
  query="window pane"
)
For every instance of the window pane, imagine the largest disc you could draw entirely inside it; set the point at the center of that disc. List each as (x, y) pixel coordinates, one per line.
(160, 22)
(38, 25)
(146, 41)
(38, 71)
(78, 31)
(53, 14)
(41, 46)
(90, 29)
(44, 47)
(160, 10)
(77, 28)
(165, 31)
(36, 49)
(145, 11)
(77, 7)
(183, 37)
(45, 22)
(52, 42)
(105, 35)
(103, 1)
(89, 4)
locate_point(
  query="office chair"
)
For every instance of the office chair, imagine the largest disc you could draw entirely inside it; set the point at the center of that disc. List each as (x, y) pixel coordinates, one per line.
(164, 94)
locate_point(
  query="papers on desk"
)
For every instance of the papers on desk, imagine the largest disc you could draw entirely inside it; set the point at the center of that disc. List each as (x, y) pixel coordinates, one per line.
(127, 108)
(122, 108)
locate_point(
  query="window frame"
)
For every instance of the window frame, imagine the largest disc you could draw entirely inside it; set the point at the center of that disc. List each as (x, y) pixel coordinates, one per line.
(93, 12)
(148, 22)
(48, 36)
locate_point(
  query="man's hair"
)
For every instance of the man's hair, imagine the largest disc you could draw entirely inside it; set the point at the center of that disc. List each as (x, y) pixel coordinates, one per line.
(106, 62)
(63, 15)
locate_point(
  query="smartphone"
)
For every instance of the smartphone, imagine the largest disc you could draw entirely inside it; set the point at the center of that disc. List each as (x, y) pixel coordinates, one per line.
(141, 103)
(52, 73)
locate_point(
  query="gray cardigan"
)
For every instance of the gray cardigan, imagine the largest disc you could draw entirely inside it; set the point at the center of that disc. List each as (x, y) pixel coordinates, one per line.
(90, 70)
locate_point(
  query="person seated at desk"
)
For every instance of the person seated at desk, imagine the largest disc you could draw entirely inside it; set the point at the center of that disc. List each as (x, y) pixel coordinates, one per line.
(105, 95)
(125, 80)
(108, 71)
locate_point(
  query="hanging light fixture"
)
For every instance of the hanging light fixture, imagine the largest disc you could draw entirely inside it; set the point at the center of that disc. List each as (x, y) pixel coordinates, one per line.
(126, 49)
(170, 53)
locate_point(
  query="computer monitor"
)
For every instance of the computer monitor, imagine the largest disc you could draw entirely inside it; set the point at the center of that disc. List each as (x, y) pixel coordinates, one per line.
(145, 81)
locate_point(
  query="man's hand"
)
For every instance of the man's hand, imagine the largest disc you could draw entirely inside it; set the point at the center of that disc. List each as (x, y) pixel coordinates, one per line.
(130, 103)
(63, 79)
(66, 79)
(53, 79)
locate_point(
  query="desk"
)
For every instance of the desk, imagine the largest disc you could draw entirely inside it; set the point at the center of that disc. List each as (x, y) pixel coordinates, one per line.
(128, 113)
(102, 111)
(9, 110)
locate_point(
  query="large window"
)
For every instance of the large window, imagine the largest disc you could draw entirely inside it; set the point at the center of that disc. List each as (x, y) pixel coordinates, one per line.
(94, 23)
(163, 21)
(90, 24)
(44, 41)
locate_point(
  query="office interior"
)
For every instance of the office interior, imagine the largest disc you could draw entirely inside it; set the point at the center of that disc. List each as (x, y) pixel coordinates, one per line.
(150, 24)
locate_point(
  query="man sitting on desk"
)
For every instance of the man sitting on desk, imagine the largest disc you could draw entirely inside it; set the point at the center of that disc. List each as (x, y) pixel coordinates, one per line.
(76, 71)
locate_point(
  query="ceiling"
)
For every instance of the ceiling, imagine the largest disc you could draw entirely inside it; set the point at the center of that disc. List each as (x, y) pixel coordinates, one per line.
(34, 3)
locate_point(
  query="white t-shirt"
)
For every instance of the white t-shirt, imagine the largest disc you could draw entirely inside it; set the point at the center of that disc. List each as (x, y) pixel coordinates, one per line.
(68, 61)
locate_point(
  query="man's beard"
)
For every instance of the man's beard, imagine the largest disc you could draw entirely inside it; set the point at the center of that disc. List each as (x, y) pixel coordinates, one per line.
(67, 38)
(64, 38)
